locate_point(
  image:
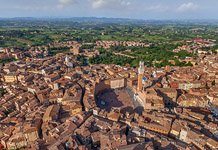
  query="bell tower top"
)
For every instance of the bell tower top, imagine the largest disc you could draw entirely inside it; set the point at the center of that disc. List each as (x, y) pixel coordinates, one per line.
(67, 59)
(141, 68)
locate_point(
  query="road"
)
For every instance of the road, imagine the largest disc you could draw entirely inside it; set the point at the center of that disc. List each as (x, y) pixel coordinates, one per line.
(125, 55)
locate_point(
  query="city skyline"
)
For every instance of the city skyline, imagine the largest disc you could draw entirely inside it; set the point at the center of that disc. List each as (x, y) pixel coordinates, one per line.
(137, 9)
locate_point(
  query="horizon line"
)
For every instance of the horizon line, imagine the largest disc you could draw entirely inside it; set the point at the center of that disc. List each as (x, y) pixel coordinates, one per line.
(125, 18)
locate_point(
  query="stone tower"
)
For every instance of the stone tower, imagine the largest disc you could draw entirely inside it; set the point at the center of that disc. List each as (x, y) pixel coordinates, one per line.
(67, 59)
(67, 62)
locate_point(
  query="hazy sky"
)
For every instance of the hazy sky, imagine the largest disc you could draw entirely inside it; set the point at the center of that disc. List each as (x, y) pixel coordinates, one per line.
(139, 9)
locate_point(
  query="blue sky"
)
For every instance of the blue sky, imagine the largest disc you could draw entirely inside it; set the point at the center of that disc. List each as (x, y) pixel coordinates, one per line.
(137, 9)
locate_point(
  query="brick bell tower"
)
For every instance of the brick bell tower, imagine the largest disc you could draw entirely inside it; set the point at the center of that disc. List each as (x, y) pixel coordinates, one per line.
(141, 70)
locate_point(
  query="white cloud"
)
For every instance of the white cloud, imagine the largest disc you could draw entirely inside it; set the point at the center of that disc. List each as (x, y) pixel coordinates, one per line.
(31, 8)
(186, 7)
(157, 8)
(65, 3)
(97, 4)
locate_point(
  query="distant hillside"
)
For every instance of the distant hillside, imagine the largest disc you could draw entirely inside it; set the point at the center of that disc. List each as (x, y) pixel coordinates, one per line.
(30, 21)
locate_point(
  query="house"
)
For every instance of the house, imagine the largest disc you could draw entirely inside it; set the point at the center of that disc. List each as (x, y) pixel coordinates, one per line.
(11, 77)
